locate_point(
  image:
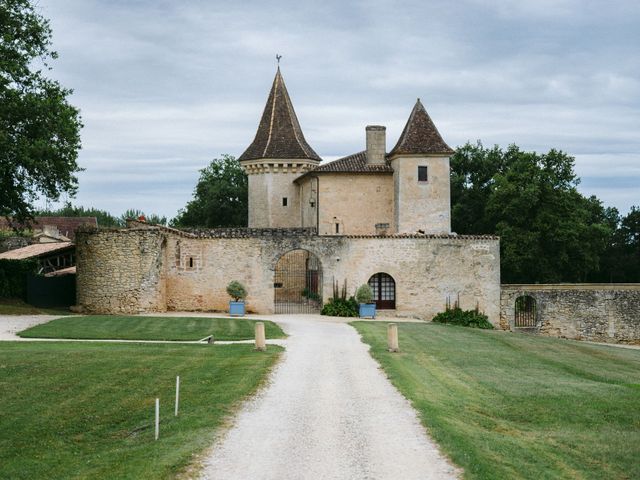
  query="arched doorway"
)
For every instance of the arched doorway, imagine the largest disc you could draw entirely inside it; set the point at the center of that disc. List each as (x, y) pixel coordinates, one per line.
(525, 312)
(297, 283)
(384, 291)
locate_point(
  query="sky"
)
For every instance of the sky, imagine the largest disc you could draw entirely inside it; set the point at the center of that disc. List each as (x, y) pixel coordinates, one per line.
(164, 86)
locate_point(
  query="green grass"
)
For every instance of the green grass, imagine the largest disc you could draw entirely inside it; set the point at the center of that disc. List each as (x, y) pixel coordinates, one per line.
(71, 410)
(15, 306)
(511, 406)
(150, 328)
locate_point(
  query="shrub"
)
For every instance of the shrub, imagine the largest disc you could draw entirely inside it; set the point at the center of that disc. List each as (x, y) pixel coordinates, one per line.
(13, 277)
(311, 295)
(236, 290)
(364, 294)
(340, 307)
(465, 318)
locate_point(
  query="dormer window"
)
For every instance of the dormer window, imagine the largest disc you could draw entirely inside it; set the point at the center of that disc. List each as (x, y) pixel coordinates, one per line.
(422, 174)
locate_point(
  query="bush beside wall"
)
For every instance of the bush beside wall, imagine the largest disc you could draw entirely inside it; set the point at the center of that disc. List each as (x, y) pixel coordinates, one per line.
(13, 277)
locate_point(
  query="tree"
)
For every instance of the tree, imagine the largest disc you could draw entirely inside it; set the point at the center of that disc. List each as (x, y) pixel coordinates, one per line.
(219, 199)
(39, 129)
(104, 218)
(549, 231)
(134, 213)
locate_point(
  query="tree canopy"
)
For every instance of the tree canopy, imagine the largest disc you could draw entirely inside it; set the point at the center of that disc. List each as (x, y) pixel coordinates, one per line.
(39, 129)
(219, 199)
(549, 231)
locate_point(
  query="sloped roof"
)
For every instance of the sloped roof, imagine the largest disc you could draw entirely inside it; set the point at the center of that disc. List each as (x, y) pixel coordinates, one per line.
(420, 136)
(356, 163)
(67, 226)
(35, 250)
(279, 134)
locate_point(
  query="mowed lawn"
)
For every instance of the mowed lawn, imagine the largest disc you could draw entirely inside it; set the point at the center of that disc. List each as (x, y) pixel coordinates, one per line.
(512, 406)
(150, 328)
(78, 410)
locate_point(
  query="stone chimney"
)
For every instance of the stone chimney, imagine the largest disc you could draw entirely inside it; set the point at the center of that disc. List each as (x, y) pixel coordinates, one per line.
(376, 144)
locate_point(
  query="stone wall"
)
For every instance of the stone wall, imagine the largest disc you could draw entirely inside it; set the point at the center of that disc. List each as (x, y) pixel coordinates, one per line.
(595, 312)
(419, 205)
(355, 202)
(121, 271)
(181, 272)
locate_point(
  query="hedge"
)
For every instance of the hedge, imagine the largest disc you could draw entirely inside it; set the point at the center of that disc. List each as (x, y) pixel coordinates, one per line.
(13, 277)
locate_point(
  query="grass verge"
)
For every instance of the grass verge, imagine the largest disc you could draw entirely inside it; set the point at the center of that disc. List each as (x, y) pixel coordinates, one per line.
(149, 328)
(15, 306)
(509, 406)
(74, 410)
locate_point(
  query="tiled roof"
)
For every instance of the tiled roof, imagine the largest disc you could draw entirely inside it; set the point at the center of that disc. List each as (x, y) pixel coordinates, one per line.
(67, 226)
(279, 134)
(420, 135)
(356, 163)
(35, 250)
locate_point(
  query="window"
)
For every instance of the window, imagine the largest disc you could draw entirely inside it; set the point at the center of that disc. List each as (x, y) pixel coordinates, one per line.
(284, 201)
(422, 174)
(190, 262)
(337, 228)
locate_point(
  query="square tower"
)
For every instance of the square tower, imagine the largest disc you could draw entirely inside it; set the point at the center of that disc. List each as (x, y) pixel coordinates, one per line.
(420, 162)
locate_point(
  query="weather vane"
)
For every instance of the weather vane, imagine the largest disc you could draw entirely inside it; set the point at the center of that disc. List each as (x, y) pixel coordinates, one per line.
(278, 57)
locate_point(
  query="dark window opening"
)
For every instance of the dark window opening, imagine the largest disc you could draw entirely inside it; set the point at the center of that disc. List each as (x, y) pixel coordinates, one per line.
(337, 228)
(190, 262)
(422, 174)
(284, 201)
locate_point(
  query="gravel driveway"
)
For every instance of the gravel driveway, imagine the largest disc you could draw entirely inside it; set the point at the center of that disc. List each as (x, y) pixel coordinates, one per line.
(328, 413)
(11, 324)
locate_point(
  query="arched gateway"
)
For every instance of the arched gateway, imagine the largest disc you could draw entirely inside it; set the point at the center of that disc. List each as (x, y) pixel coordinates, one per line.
(297, 283)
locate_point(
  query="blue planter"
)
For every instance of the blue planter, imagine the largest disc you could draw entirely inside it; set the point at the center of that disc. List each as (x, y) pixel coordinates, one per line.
(236, 308)
(368, 310)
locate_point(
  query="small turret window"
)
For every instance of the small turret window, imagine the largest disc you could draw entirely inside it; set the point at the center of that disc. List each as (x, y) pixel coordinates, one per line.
(285, 201)
(422, 174)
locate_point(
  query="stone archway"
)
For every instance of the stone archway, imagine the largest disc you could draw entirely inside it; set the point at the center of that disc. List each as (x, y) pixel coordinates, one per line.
(297, 283)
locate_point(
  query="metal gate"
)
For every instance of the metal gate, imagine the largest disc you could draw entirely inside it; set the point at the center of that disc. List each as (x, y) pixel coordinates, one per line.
(525, 314)
(297, 283)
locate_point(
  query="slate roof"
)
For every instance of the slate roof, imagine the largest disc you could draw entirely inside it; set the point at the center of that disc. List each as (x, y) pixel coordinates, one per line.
(35, 250)
(279, 134)
(356, 163)
(420, 135)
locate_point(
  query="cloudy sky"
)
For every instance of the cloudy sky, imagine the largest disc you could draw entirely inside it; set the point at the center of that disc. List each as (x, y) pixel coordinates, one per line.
(166, 86)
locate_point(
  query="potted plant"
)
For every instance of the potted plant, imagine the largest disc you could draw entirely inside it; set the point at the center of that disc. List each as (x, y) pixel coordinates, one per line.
(364, 295)
(238, 292)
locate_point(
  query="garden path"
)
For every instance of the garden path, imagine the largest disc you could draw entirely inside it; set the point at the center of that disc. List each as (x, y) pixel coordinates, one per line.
(328, 412)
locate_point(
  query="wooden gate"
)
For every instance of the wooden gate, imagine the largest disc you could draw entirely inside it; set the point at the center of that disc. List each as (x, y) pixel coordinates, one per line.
(525, 313)
(298, 283)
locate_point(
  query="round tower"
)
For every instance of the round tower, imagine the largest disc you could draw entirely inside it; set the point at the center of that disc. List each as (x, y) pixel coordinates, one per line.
(278, 155)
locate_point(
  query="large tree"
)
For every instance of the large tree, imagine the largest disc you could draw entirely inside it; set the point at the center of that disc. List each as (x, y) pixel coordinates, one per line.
(219, 199)
(39, 129)
(549, 231)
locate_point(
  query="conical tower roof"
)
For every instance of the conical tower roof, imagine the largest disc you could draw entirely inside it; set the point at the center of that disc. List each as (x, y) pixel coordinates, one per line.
(420, 136)
(279, 135)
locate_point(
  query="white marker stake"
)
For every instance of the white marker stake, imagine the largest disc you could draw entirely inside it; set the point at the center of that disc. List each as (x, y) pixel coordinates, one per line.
(177, 393)
(157, 418)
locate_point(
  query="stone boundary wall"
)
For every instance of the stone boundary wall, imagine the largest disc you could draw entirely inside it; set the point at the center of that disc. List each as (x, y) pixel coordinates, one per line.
(154, 269)
(120, 271)
(594, 312)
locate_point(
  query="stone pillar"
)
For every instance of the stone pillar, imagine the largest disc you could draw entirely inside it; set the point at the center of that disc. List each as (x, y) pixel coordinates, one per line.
(376, 144)
(392, 337)
(261, 343)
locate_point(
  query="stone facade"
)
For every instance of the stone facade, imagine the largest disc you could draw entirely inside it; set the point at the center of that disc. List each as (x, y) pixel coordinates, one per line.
(157, 269)
(595, 312)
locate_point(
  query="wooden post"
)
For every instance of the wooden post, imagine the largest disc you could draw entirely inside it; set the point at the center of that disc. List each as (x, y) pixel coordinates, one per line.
(177, 394)
(261, 343)
(157, 418)
(392, 337)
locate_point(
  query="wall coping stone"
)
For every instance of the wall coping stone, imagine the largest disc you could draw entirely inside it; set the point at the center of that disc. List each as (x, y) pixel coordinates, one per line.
(569, 286)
